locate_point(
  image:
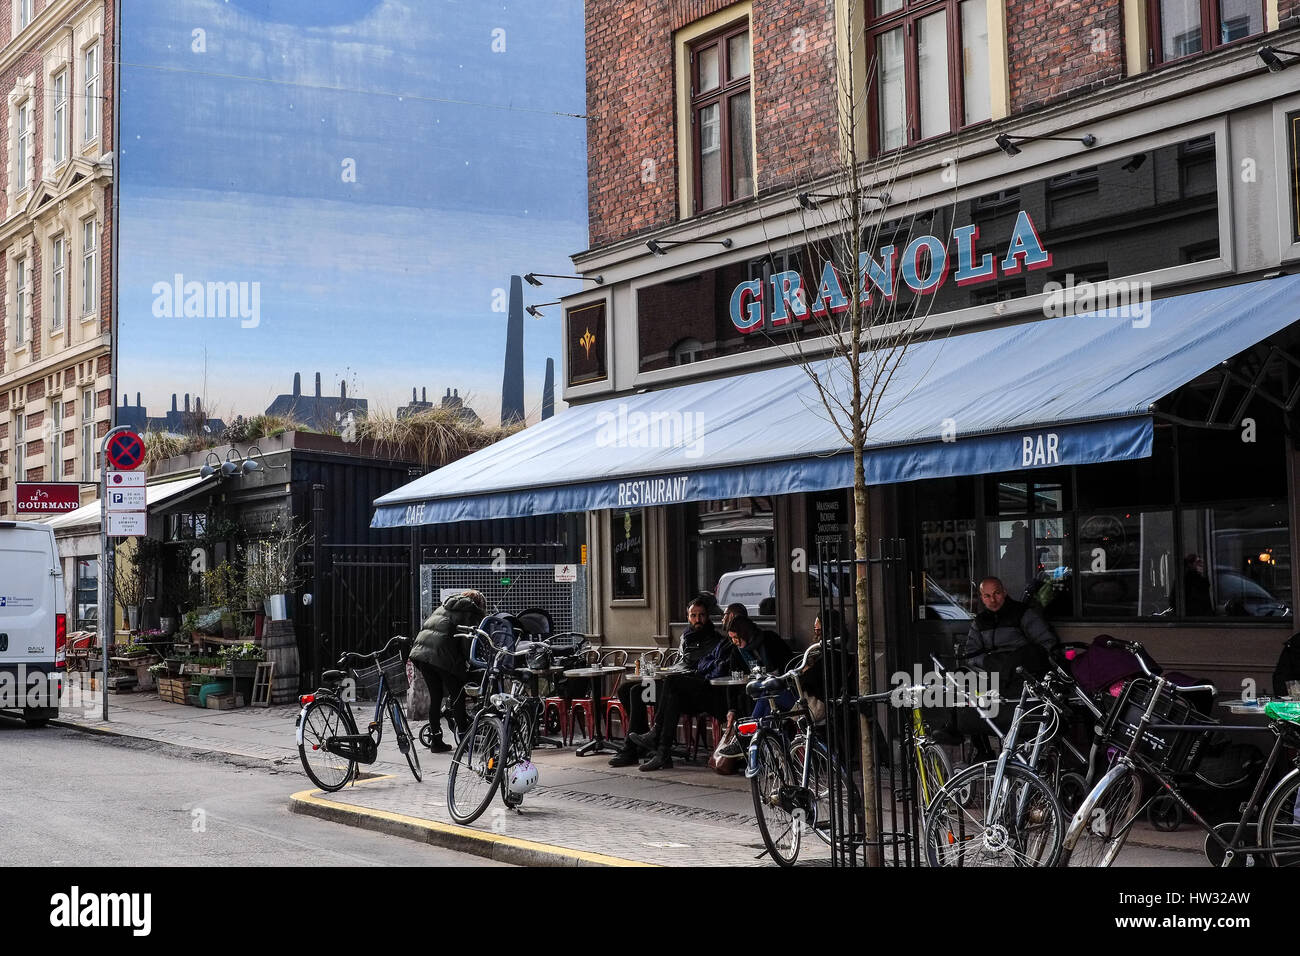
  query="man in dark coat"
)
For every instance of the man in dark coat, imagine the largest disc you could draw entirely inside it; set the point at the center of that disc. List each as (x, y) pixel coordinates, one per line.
(1006, 627)
(441, 656)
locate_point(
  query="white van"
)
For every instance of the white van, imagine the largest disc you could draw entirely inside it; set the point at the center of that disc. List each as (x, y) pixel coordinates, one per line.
(33, 621)
(751, 586)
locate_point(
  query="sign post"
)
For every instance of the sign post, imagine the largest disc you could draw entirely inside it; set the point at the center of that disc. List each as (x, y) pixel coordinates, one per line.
(122, 449)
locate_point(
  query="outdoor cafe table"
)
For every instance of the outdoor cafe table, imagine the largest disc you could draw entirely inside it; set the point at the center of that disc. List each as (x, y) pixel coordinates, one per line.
(535, 674)
(597, 743)
(731, 682)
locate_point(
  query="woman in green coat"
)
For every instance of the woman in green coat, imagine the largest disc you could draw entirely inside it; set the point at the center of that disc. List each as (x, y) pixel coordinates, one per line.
(441, 656)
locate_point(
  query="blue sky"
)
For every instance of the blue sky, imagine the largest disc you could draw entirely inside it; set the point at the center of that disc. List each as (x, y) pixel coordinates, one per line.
(375, 166)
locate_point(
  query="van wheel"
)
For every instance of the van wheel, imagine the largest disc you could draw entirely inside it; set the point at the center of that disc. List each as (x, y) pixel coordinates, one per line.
(35, 717)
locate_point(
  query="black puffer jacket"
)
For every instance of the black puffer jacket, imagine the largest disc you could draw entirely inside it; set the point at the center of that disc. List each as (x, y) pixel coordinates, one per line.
(1011, 628)
(438, 644)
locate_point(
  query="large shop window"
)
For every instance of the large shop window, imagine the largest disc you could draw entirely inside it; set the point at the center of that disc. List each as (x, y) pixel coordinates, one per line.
(931, 68)
(1067, 235)
(1180, 28)
(1180, 535)
(87, 594)
(722, 123)
(627, 538)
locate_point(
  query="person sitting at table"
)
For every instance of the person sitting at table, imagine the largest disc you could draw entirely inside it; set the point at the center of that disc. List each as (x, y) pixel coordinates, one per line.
(699, 639)
(687, 694)
(763, 650)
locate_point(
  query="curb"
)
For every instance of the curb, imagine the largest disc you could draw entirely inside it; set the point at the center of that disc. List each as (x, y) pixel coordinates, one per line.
(493, 846)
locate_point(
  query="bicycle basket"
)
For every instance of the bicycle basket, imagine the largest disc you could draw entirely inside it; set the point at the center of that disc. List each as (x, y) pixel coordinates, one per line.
(392, 669)
(1174, 751)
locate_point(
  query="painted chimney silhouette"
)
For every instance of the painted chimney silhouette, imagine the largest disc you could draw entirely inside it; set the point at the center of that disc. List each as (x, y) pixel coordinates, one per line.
(512, 383)
(424, 394)
(548, 390)
(343, 390)
(318, 384)
(173, 401)
(297, 384)
(137, 399)
(187, 403)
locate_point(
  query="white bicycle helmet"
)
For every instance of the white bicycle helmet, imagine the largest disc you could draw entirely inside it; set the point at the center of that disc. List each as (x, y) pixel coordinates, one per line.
(522, 778)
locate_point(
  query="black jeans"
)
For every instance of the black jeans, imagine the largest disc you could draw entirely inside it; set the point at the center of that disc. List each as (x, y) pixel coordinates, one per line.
(444, 684)
(633, 694)
(685, 695)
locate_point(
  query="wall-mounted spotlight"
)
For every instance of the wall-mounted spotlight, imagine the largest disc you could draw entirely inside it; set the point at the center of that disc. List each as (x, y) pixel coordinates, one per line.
(1007, 143)
(209, 469)
(659, 246)
(536, 310)
(812, 201)
(532, 278)
(1275, 63)
(1134, 163)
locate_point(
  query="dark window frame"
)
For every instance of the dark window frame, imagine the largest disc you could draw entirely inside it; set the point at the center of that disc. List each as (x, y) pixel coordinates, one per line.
(907, 17)
(721, 96)
(1210, 24)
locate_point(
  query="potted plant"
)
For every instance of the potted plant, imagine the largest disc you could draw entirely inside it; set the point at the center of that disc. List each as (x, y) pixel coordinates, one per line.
(129, 585)
(241, 659)
(223, 587)
(273, 564)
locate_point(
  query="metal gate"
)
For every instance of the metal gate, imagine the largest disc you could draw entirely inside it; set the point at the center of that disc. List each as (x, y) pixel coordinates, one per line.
(884, 795)
(510, 580)
(366, 598)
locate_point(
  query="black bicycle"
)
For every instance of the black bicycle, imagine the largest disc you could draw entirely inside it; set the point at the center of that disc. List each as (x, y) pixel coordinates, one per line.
(328, 742)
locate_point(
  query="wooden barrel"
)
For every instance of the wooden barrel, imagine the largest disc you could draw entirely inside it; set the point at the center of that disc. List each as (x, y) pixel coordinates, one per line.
(282, 648)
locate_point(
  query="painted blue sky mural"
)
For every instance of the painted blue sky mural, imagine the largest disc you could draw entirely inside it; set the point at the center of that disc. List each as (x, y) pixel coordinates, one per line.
(367, 173)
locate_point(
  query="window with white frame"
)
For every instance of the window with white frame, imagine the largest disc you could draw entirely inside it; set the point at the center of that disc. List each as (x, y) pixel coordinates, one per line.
(25, 157)
(89, 273)
(1180, 28)
(22, 309)
(58, 281)
(59, 123)
(20, 448)
(87, 435)
(24, 13)
(90, 119)
(56, 416)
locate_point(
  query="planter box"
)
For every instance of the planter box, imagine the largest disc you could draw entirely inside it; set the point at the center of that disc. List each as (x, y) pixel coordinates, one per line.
(221, 701)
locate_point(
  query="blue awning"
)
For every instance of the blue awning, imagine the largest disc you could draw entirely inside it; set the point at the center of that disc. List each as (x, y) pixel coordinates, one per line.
(1064, 391)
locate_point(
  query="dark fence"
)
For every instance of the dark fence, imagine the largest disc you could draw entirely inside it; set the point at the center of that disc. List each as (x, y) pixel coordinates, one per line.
(883, 793)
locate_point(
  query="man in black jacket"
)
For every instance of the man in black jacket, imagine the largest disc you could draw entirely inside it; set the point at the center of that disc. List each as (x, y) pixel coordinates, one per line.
(1007, 629)
(697, 642)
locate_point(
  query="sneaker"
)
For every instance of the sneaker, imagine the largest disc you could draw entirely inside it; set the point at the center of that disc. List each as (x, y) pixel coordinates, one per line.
(644, 741)
(658, 761)
(440, 746)
(624, 758)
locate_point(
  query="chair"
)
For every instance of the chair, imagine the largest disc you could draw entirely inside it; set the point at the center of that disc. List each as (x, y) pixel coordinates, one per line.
(581, 706)
(575, 707)
(612, 705)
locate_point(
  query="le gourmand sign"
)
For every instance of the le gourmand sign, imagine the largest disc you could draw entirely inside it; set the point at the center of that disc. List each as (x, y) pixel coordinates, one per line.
(48, 497)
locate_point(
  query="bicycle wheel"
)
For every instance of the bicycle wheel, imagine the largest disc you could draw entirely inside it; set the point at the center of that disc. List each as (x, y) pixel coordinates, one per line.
(405, 739)
(322, 720)
(1279, 823)
(969, 824)
(476, 769)
(933, 768)
(820, 776)
(1102, 835)
(773, 787)
(1071, 791)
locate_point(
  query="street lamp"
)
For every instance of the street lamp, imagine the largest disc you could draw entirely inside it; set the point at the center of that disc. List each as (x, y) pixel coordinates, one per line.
(532, 278)
(1007, 143)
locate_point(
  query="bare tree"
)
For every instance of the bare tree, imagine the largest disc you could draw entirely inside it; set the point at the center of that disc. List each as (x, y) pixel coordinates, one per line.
(851, 339)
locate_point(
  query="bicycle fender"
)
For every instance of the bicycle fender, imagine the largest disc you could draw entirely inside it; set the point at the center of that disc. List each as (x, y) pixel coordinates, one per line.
(302, 720)
(1083, 816)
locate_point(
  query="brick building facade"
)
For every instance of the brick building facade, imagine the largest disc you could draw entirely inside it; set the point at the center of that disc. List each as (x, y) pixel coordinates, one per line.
(56, 173)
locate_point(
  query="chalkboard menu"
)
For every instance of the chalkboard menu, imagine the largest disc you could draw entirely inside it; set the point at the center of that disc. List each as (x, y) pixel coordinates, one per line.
(829, 523)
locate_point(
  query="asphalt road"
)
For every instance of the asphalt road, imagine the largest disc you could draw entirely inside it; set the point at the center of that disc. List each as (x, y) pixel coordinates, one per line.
(75, 799)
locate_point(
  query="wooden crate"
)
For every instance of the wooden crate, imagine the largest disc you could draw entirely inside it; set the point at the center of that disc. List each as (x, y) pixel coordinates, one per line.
(173, 689)
(221, 701)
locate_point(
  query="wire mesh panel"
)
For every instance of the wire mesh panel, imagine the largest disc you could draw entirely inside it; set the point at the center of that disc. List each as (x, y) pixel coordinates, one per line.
(512, 589)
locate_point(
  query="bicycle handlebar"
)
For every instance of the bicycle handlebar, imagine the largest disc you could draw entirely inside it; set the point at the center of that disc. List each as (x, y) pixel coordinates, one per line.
(403, 645)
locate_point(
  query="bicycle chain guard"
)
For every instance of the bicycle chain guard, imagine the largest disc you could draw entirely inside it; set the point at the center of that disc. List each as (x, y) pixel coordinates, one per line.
(359, 747)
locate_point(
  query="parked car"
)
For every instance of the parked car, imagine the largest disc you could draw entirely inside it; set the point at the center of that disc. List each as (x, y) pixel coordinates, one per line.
(752, 586)
(1239, 596)
(33, 621)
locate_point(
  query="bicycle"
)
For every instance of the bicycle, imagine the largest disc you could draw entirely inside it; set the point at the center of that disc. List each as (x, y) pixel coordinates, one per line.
(328, 742)
(1000, 812)
(495, 753)
(1163, 743)
(797, 785)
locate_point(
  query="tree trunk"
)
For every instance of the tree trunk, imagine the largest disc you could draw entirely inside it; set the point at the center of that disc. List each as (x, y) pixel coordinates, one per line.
(862, 595)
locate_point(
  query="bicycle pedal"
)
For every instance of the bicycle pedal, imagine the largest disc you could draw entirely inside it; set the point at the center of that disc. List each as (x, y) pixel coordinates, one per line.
(373, 726)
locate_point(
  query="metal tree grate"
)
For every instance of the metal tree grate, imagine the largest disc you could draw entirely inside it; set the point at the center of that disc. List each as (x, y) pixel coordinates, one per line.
(517, 587)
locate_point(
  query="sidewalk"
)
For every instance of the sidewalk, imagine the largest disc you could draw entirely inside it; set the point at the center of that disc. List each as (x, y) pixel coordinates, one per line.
(583, 813)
